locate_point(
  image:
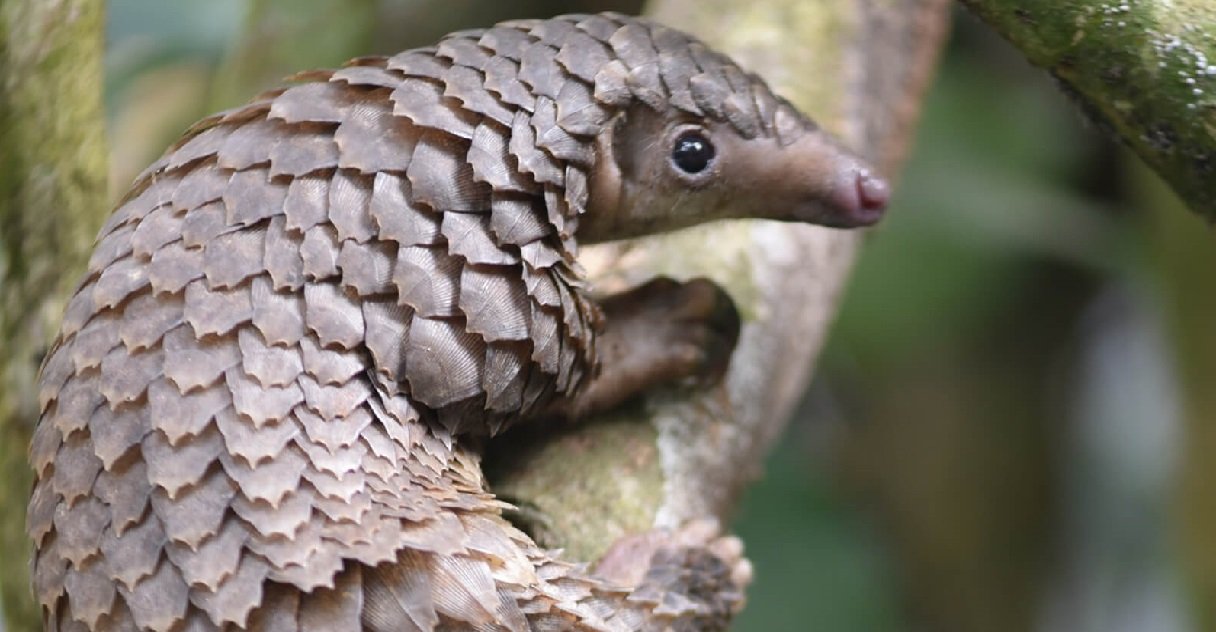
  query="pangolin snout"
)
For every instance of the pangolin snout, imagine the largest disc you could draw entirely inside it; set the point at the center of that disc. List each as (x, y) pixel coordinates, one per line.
(831, 186)
(860, 198)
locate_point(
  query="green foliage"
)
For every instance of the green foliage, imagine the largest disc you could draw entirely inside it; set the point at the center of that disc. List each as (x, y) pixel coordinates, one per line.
(816, 558)
(994, 183)
(943, 407)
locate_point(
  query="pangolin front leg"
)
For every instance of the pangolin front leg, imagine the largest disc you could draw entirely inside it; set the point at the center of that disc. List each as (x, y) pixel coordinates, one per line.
(660, 332)
(264, 406)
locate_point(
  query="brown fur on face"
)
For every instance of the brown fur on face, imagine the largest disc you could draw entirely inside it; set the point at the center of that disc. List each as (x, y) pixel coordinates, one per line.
(636, 188)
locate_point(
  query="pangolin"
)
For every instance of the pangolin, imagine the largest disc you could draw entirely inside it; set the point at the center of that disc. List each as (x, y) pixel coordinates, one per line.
(263, 406)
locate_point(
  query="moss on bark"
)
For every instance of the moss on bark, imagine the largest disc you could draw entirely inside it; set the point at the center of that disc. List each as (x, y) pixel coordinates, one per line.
(1144, 69)
(52, 199)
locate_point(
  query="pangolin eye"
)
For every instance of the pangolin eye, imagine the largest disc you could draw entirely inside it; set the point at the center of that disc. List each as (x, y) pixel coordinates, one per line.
(692, 152)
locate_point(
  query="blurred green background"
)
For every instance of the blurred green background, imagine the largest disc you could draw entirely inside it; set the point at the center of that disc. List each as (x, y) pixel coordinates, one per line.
(1006, 431)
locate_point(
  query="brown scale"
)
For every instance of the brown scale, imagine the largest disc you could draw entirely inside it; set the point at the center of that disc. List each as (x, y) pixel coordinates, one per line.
(256, 414)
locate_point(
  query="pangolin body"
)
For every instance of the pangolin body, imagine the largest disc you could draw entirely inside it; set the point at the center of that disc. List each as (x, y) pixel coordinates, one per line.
(254, 413)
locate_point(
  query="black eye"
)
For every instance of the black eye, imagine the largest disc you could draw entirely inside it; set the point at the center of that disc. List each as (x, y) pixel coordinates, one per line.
(692, 152)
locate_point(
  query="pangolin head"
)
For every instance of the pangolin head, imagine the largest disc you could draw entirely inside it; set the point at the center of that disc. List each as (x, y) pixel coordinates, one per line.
(715, 142)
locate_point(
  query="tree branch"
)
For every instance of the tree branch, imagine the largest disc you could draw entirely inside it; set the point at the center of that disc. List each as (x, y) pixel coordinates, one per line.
(860, 68)
(1144, 69)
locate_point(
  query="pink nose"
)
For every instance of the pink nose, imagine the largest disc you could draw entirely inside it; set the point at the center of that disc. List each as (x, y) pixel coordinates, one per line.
(861, 197)
(873, 192)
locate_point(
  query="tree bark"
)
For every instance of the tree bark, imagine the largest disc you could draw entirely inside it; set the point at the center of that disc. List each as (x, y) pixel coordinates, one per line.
(1143, 69)
(52, 199)
(860, 68)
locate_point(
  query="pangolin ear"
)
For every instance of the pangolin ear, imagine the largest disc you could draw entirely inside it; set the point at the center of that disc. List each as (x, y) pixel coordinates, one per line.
(612, 141)
(634, 134)
(606, 175)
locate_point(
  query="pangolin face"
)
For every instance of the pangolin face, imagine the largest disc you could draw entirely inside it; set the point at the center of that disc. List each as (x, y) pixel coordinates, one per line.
(658, 171)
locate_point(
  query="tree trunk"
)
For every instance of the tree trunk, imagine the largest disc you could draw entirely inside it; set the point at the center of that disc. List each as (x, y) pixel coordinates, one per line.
(860, 68)
(52, 199)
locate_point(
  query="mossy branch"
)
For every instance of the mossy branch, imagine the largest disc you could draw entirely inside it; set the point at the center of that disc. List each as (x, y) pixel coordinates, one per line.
(1144, 69)
(52, 199)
